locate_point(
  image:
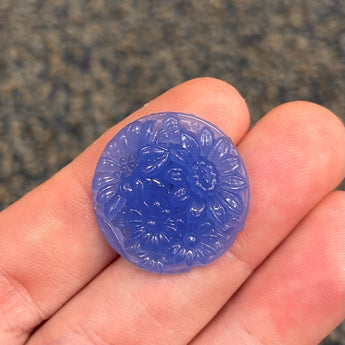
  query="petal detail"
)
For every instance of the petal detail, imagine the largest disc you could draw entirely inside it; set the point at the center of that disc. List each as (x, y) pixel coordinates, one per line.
(217, 211)
(106, 164)
(190, 144)
(133, 132)
(208, 249)
(153, 189)
(175, 175)
(171, 124)
(170, 228)
(196, 208)
(147, 132)
(123, 139)
(233, 182)
(206, 139)
(232, 201)
(132, 189)
(202, 258)
(221, 150)
(181, 195)
(228, 165)
(152, 158)
(170, 132)
(205, 228)
(134, 216)
(115, 149)
(180, 155)
(189, 258)
(105, 178)
(107, 192)
(114, 206)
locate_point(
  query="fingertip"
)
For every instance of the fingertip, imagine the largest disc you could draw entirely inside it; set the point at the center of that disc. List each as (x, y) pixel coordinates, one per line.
(324, 126)
(214, 85)
(212, 99)
(304, 110)
(312, 127)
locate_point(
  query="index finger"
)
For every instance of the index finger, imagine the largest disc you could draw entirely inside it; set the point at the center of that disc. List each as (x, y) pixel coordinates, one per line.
(49, 240)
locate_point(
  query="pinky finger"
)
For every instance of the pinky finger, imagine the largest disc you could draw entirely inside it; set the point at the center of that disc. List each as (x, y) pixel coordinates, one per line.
(297, 295)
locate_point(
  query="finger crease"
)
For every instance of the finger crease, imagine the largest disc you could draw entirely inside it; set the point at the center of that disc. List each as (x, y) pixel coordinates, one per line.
(17, 305)
(251, 338)
(92, 337)
(160, 323)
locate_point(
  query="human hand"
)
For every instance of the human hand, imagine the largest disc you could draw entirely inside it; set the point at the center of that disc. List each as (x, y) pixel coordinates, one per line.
(280, 283)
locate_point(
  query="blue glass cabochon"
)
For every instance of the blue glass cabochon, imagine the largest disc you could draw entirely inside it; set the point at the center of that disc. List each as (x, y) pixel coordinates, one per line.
(170, 192)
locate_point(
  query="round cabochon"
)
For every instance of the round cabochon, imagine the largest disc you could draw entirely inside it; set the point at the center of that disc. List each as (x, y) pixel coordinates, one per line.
(170, 192)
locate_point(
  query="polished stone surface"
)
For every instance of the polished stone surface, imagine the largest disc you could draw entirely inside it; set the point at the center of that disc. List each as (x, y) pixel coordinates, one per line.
(170, 192)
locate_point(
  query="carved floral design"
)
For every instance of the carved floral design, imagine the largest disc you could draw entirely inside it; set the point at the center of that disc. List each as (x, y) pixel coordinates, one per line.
(172, 192)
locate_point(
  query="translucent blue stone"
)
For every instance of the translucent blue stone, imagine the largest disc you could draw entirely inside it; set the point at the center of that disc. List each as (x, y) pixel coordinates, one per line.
(170, 192)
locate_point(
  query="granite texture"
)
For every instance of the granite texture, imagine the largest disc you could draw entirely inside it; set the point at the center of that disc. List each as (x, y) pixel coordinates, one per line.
(71, 69)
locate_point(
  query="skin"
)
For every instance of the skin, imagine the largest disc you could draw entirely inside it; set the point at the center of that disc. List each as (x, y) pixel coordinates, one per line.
(280, 283)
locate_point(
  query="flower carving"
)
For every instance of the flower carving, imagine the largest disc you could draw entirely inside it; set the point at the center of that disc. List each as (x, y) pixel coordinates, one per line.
(203, 170)
(151, 223)
(199, 246)
(175, 191)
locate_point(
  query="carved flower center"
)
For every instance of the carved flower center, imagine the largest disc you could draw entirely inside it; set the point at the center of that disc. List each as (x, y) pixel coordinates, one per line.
(152, 222)
(189, 239)
(205, 177)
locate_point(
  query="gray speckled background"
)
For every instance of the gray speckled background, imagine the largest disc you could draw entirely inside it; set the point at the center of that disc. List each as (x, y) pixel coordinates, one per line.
(71, 69)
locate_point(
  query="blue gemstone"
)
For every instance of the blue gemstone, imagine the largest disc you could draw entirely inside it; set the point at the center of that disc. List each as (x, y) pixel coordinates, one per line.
(170, 192)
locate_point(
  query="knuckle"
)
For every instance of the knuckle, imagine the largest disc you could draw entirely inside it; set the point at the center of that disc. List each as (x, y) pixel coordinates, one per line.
(19, 314)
